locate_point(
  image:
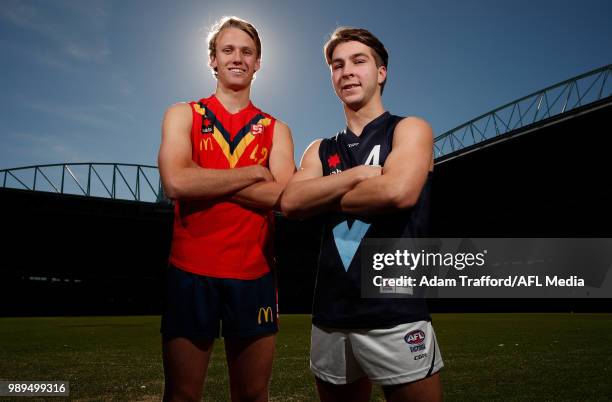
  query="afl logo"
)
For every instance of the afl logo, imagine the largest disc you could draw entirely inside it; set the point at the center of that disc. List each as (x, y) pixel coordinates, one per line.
(415, 337)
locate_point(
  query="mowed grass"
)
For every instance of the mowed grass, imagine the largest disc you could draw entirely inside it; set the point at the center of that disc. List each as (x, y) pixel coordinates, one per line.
(488, 357)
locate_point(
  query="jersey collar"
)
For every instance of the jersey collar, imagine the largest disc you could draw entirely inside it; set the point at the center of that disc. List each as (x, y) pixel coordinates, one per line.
(370, 127)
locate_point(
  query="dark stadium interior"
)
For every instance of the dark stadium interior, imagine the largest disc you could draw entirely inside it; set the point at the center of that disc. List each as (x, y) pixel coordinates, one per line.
(72, 255)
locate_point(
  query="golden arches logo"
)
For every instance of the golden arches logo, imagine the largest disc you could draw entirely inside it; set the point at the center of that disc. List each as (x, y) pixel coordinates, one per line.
(267, 314)
(205, 143)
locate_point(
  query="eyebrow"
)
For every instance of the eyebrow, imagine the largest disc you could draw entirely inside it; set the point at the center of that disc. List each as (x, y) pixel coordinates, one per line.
(352, 56)
(238, 47)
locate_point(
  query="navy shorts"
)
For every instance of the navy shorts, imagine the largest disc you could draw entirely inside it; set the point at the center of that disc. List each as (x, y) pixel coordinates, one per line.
(199, 306)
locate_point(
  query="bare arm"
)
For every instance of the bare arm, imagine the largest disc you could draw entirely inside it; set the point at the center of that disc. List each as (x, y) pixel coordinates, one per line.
(181, 177)
(403, 176)
(309, 192)
(266, 195)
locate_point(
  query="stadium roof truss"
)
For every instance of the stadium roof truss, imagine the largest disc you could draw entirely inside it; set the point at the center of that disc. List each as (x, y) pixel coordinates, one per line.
(541, 105)
(107, 180)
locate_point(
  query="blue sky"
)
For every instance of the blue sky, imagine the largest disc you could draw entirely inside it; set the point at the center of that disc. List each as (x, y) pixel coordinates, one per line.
(90, 80)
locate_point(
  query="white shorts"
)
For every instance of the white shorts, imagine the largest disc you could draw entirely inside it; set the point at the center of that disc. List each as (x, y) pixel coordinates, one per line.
(387, 356)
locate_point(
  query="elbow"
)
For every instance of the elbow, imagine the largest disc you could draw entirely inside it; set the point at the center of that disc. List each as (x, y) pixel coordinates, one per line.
(290, 207)
(405, 203)
(170, 193)
(171, 190)
(168, 181)
(402, 199)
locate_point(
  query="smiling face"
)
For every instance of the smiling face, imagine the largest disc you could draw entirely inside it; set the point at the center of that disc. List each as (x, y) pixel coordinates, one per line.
(355, 76)
(235, 59)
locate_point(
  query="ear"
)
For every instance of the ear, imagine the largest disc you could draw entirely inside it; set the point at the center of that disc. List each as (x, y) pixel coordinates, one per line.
(212, 62)
(257, 64)
(382, 74)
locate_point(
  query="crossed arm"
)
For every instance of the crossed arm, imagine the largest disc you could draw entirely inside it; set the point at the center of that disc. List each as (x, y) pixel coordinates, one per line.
(365, 190)
(253, 186)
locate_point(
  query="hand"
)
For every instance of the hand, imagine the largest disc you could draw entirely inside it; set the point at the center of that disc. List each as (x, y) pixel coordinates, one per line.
(364, 172)
(260, 173)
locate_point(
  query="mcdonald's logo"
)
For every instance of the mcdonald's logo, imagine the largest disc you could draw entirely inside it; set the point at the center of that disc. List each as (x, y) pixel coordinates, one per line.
(205, 143)
(267, 314)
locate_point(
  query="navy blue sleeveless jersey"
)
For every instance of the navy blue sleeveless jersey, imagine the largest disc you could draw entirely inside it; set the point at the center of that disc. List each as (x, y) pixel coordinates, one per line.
(337, 298)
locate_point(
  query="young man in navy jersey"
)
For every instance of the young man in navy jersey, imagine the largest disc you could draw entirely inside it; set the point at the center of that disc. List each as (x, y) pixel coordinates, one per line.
(371, 180)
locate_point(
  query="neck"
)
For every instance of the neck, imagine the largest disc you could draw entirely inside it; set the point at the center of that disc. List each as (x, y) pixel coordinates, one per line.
(233, 100)
(358, 118)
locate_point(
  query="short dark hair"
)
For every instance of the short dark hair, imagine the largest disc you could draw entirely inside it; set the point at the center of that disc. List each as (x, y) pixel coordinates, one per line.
(347, 34)
(232, 22)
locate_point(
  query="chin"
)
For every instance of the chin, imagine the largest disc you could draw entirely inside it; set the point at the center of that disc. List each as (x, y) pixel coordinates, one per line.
(237, 85)
(352, 102)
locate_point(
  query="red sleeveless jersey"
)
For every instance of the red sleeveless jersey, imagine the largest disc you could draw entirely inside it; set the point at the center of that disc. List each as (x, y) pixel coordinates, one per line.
(219, 238)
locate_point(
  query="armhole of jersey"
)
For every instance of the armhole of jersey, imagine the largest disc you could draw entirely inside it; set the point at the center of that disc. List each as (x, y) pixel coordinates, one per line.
(192, 135)
(273, 124)
(322, 144)
(396, 120)
(193, 111)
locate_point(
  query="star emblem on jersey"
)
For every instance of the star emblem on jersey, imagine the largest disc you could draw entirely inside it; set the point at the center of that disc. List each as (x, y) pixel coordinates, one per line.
(333, 161)
(207, 127)
(348, 239)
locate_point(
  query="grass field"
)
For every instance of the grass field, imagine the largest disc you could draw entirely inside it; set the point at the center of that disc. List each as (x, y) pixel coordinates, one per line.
(487, 357)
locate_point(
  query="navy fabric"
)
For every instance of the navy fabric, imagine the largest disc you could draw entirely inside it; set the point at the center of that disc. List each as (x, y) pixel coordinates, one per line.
(197, 306)
(337, 300)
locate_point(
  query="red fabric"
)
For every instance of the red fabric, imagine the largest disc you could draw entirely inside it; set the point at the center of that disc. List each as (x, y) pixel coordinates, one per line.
(222, 239)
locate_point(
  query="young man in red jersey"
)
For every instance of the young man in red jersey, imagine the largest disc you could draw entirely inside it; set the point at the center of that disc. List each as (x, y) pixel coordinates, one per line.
(359, 341)
(225, 163)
